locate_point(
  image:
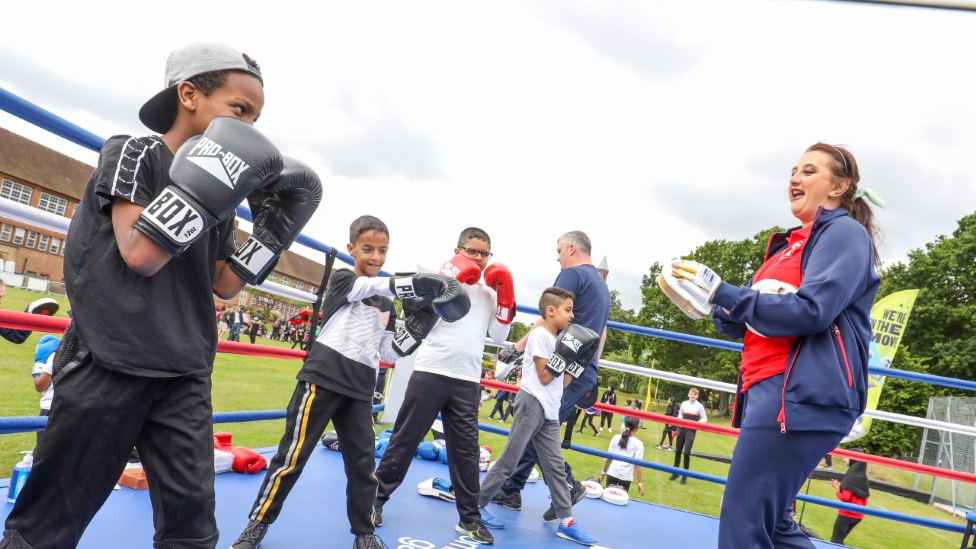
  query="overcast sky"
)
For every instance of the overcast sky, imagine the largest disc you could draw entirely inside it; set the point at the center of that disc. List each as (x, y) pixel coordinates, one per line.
(652, 126)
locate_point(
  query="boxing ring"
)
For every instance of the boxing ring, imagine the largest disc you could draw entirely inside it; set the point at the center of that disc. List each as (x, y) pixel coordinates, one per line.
(316, 510)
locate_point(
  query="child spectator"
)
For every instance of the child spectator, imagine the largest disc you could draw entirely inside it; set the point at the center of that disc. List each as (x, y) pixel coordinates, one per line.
(625, 444)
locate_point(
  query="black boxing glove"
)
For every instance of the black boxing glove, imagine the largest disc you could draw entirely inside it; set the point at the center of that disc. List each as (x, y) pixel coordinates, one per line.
(444, 293)
(280, 212)
(572, 345)
(211, 174)
(419, 320)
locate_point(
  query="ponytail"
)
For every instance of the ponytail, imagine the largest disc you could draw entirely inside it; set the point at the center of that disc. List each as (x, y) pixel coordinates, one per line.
(631, 424)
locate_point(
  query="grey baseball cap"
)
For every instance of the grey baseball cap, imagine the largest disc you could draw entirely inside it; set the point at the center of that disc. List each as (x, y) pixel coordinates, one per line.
(159, 113)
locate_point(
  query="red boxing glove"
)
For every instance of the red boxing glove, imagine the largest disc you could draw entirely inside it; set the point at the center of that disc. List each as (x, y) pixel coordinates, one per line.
(247, 460)
(222, 441)
(463, 269)
(499, 278)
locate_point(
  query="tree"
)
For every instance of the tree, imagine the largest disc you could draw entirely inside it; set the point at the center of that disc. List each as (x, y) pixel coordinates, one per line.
(940, 330)
(904, 397)
(517, 331)
(617, 341)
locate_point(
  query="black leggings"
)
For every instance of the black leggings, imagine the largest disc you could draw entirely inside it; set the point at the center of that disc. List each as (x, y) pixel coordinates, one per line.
(625, 484)
(606, 420)
(669, 434)
(588, 420)
(842, 527)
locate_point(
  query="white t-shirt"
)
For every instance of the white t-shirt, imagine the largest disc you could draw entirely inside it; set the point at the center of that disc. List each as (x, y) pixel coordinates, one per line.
(634, 449)
(541, 343)
(454, 349)
(48, 395)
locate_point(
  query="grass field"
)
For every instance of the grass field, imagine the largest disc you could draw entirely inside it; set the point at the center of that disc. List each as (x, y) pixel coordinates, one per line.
(254, 383)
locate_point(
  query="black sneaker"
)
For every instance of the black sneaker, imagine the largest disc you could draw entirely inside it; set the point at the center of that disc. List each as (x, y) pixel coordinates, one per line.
(673, 477)
(368, 541)
(252, 535)
(377, 515)
(509, 500)
(476, 531)
(576, 495)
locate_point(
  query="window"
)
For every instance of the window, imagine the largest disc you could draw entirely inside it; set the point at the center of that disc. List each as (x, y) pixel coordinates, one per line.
(31, 239)
(273, 275)
(6, 232)
(299, 284)
(43, 242)
(53, 204)
(63, 247)
(16, 192)
(19, 236)
(30, 273)
(286, 280)
(55, 245)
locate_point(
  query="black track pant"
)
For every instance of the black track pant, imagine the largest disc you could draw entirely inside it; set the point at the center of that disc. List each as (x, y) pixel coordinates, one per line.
(606, 419)
(686, 439)
(311, 409)
(457, 401)
(97, 418)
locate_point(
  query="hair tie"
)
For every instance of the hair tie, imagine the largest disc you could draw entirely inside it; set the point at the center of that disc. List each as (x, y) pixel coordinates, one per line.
(870, 195)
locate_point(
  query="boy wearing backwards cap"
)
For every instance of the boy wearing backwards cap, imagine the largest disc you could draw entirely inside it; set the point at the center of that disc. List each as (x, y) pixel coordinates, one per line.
(151, 243)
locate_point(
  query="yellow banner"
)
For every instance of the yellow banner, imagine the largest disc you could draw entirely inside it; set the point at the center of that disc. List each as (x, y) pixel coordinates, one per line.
(889, 316)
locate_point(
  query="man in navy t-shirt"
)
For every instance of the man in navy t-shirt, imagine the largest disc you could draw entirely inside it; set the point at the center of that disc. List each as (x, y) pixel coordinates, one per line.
(590, 309)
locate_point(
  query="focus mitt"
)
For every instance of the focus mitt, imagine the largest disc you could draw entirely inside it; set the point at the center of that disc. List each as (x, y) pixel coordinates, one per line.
(44, 306)
(678, 291)
(770, 286)
(437, 488)
(616, 495)
(593, 488)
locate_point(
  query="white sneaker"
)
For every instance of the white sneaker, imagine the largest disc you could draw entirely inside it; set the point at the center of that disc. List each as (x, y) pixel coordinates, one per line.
(610, 429)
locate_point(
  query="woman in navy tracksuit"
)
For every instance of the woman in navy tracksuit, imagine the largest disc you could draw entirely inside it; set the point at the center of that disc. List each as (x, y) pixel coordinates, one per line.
(806, 324)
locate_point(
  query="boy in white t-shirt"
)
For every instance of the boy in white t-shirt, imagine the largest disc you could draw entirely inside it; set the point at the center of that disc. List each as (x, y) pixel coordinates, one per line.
(537, 419)
(42, 372)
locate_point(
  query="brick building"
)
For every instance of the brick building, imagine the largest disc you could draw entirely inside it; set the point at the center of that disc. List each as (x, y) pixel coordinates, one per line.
(39, 177)
(42, 178)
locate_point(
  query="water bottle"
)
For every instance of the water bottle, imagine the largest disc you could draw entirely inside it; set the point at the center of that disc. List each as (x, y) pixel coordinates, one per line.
(19, 476)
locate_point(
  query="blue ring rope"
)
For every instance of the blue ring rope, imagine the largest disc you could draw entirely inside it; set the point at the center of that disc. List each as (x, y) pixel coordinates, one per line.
(26, 424)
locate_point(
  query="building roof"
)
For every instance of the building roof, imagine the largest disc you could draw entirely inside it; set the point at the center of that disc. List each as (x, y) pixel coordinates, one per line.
(38, 165)
(293, 265)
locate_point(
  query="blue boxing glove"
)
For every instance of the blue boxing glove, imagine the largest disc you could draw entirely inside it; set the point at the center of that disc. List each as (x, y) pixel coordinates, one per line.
(427, 450)
(45, 348)
(380, 447)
